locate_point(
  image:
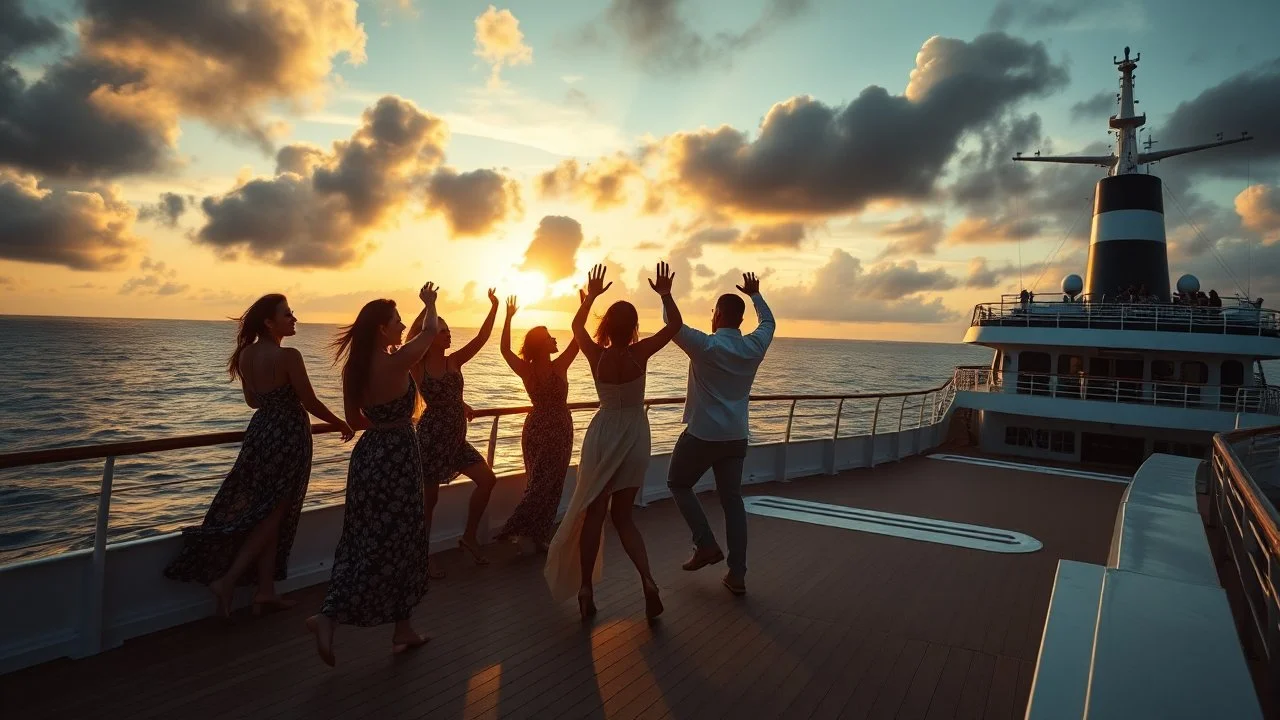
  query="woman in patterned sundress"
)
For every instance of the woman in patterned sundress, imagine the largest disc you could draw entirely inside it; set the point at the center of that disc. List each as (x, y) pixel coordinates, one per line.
(547, 439)
(380, 565)
(442, 429)
(253, 518)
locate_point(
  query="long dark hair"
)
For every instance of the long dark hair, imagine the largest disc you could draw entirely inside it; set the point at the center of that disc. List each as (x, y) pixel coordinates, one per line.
(537, 336)
(253, 325)
(355, 344)
(620, 325)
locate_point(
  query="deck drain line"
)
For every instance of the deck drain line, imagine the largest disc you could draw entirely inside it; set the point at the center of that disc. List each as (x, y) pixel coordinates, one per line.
(903, 526)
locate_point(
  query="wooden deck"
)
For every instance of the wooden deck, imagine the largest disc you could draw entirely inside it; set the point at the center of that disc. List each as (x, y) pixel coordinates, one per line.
(837, 623)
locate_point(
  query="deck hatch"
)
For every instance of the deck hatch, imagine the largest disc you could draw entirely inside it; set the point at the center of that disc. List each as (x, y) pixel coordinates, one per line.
(882, 523)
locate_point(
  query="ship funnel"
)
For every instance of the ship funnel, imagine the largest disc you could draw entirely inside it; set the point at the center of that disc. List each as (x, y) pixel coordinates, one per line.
(1127, 242)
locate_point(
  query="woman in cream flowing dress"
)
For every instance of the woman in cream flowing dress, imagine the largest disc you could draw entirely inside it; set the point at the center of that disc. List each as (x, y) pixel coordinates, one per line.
(615, 449)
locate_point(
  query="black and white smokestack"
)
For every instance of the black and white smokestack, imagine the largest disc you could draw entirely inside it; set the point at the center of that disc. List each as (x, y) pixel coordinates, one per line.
(1127, 244)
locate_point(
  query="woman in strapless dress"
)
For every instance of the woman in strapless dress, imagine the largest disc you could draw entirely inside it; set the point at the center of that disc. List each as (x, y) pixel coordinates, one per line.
(615, 449)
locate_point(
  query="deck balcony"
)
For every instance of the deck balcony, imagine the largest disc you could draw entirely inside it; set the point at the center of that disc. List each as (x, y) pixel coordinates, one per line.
(1157, 403)
(1242, 329)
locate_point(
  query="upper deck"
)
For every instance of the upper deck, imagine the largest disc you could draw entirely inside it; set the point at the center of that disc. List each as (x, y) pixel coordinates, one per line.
(1241, 330)
(836, 622)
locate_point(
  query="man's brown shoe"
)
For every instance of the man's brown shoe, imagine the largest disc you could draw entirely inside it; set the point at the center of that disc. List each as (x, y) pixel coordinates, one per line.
(703, 557)
(736, 585)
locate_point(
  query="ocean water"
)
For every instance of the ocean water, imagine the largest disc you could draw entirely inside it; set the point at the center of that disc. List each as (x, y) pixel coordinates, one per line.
(75, 381)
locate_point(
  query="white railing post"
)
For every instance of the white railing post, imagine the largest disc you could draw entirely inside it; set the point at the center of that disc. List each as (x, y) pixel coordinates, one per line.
(920, 421)
(875, 416)
(93, 636)
(901, 409)
(839, 411)
(790, 416)
(493, 439)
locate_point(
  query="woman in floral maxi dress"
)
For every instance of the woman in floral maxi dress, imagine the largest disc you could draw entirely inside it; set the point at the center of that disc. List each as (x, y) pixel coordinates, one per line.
(442, 429)
(380, 565)
(547, 439)
(253, 518)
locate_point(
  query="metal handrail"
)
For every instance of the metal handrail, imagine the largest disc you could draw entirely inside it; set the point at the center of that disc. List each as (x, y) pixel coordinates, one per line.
(1249, 526)
(942, 396)
(1245, 320)
(1263, 400)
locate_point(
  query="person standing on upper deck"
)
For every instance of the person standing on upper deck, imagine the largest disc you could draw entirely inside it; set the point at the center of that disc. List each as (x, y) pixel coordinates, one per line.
(722, 367)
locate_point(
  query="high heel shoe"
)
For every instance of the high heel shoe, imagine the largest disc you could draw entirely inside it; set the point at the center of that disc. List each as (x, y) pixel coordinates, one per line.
(586, 604)
(652, 600)
(476, 553)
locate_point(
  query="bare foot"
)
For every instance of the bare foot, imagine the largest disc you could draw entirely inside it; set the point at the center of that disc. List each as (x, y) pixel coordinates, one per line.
(402, 640)
(322, 628)
(263, 604)
(222, 593)
(473, 547)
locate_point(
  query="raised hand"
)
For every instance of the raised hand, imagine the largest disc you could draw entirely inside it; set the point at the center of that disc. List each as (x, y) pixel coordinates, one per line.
(493, 297)
(582, 296)
(750, 284)
(428, 293)
(662, 285)
(511, 306)
(595, 282)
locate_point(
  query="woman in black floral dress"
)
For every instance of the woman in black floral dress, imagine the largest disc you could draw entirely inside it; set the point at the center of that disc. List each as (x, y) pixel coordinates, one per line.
(442, 429)
(253, 518)
(547, 439)
(380, 565)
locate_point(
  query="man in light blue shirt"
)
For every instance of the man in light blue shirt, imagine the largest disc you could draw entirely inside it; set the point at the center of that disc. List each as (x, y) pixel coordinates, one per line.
(722, 367)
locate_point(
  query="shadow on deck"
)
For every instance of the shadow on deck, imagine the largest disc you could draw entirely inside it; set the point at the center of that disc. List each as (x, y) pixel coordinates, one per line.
(837, 622)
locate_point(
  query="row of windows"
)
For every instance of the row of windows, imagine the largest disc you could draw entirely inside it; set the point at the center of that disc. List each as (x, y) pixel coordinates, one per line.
(1059, 441)
(1192, 371)
(1191, 450)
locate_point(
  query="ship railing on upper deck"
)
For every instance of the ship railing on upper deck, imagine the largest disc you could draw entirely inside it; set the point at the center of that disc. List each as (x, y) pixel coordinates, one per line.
(1163, 317)
(1244, 482)
(1263, 399)
(854, 414)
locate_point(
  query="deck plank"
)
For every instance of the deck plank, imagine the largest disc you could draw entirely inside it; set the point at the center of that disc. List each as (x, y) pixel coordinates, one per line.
(836, 624)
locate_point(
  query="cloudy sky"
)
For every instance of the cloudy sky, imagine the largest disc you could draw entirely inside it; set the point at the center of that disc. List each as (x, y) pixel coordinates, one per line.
(166, 159)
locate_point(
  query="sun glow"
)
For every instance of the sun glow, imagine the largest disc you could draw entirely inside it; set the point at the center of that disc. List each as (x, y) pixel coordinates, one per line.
(528, 287)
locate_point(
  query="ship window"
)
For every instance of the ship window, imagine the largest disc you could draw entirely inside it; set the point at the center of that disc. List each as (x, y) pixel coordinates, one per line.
(1034, 362)
(1042, 439)
(1195, 372)
(1233, 373)
(1010, 435)
(1099, 367)
(1070, 364)
(1062, 441)
(1162, 370)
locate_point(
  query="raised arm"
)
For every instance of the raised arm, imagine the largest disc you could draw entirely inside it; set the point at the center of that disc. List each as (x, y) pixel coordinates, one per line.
(514, 361)
(408, 354)
(296, 369)
(468, 351)
(595, 288)
(566, 357)
(762, 336)
(650, 346)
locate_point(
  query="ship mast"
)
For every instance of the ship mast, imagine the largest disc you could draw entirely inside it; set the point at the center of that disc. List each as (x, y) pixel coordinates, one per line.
(1127, 159)
(1127, 249)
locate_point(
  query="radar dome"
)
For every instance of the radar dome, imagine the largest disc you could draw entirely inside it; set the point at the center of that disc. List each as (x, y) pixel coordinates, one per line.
(1072, 285)
(1188, 284)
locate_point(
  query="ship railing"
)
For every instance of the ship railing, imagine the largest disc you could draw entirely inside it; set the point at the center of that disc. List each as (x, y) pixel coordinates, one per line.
(1162, 317)
(1263, 400)
(855, 414)
(1244, 518)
